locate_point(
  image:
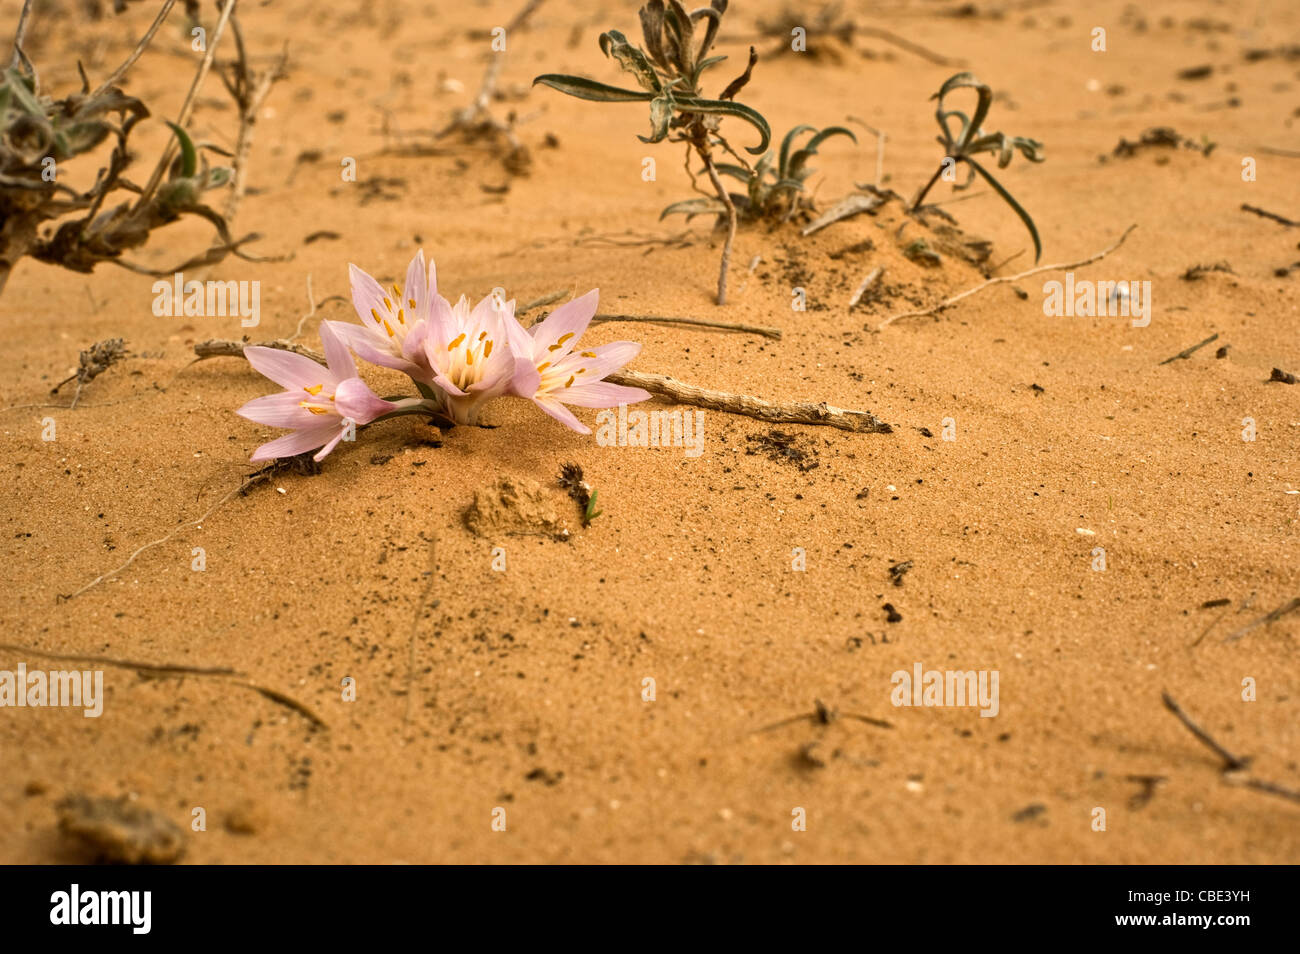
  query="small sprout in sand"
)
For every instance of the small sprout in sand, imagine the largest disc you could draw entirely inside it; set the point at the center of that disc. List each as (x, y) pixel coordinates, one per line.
(591, 513)
(971, 140)
(669, 71)
(457, 357)
(771, 191)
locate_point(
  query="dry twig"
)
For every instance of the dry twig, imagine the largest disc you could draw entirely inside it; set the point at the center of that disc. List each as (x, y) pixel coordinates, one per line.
(948, 302)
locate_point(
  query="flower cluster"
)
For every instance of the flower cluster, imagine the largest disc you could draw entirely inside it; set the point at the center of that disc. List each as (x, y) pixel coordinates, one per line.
(458, 357)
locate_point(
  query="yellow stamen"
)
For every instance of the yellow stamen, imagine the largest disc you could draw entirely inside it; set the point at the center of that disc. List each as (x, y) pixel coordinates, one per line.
(400, 316)
(589, 354)
(456, 344)
(487, 350)
(565, 337)
(388, 328)
(388, 305)
(375, 315)
(469, 356)
(543, 366)
(314, 408)
(569, 382)
(397, 293)
(314, 390)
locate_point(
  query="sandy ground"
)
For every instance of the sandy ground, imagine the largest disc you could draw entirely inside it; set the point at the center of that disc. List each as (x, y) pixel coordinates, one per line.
(522, 690)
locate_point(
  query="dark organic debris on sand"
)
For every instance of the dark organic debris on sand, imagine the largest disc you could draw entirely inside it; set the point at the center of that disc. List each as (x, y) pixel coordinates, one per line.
(780, 447)
(118, 831)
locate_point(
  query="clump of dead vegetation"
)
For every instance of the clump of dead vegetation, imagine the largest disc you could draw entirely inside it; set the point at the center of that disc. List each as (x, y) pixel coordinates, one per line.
(42, 134)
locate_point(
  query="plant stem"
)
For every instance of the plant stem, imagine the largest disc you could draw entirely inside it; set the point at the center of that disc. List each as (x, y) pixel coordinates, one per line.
(703, 151)
(916, 203)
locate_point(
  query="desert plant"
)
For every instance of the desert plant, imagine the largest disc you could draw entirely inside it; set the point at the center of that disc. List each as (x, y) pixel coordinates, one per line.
(39, 133)
(773, 187)
(669, 71)
(971, 140)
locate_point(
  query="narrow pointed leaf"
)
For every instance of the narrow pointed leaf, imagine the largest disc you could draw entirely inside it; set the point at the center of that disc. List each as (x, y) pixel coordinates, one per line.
(592, 90)
(1010, 200)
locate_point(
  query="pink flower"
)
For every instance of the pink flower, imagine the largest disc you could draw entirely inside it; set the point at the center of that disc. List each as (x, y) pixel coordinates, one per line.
(318, 402)
(393, 321)
(552, 374)
(467, 351)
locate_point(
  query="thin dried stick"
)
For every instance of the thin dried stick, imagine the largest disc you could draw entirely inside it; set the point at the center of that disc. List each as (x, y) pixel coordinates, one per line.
(948, 302)
(1230, 761)
(420, 608)
(187, 107)
(478, 113)
(1188, 352)
(219, 348)
(787, 412)
(140, 47)
(1265, 214)
(865, 285)
(763, 330)
(21, 34)
(1271, 617)
(249, 92)
(153, 543)
(166, 668)
(766, 331)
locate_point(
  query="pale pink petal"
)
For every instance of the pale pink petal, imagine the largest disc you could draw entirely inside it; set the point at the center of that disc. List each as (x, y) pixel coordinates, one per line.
(611, 357)
(324, 451)
(563, 415)
(337, 355)
(444, 382)
(356, 401)
(281, 410)
(367, 295)
(521, 343)
(298, 441)
(600, 394)
(289, 370)
(570, 318)
(415, 299)
(526, 380)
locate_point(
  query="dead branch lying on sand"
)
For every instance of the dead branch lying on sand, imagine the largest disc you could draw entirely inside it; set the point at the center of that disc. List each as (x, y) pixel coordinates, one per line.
(764, 330)
(785, 412)
(1234, 766)
(948, 302)
(167, 669)
(1188, 352)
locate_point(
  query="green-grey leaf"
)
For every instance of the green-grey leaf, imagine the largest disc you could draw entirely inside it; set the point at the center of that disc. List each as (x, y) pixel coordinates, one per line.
(615, 44)
(189, 157)
(693, 207)
(688, 104)
(661, 113)
(591, 90)
(1019, 209)
(788, 143)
